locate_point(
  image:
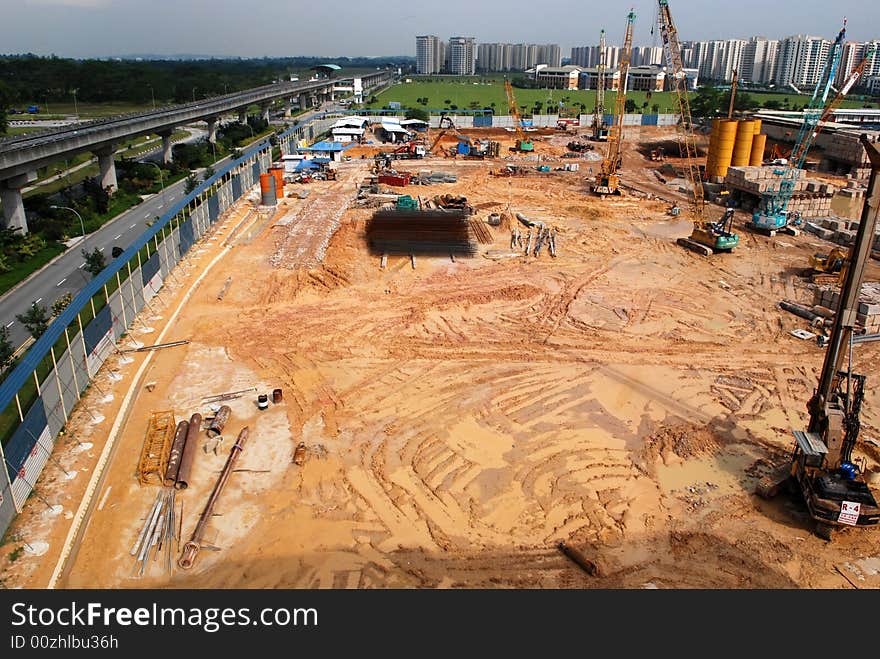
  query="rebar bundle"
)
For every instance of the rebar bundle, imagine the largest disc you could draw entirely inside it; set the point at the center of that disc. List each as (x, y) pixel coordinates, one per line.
(421, 232)
(158, 533)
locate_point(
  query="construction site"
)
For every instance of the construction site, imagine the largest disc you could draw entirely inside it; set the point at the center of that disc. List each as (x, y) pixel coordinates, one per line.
(579, 358)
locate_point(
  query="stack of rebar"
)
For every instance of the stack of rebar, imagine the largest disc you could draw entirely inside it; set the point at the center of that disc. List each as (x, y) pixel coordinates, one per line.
(421, 232)
(158, 533)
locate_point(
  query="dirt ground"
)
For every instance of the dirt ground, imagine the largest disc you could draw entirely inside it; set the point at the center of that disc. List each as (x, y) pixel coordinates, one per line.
(463, 417)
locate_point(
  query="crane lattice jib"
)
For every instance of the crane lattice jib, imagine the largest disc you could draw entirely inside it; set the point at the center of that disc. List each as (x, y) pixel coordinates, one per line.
(615, 136)
(600, 85)
(687, 143)
(514, 110)
(776, 201)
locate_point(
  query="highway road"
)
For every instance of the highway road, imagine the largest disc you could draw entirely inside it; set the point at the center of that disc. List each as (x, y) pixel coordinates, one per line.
(68, 275)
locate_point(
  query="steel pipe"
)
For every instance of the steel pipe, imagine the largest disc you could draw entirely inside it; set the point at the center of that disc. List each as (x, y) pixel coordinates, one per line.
(191, 548)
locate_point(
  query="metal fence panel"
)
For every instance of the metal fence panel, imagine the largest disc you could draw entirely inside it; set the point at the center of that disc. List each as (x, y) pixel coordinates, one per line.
(23, 439)
(187, 236)
(236, 186)
(53, 401)
(213, 209)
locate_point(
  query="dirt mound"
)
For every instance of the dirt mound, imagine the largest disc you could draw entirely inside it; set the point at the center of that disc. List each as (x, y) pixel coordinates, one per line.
(684, 440)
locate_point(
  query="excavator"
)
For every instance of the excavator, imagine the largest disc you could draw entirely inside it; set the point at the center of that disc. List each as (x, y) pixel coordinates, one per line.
(707, 237)
(522, 143)
(828, 268)
(608, 181)
(822, 468)
(444, 126)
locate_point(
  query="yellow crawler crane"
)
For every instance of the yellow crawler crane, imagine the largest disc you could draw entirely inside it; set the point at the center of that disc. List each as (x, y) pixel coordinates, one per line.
(608, 181)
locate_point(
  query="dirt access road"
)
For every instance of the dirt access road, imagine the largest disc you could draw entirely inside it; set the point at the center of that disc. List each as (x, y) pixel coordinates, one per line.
(464, 417)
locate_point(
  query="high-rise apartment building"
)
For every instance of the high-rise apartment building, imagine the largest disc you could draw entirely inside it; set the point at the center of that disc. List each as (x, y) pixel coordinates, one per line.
(853, 53)
(588, 56)
(461, 55)
(493, 57)
(646, 56)
(429, 54)
(759, 60)
(800, 61)
(716, 60)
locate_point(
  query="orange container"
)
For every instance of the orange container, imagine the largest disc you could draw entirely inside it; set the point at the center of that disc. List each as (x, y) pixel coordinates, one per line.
(265, 182)
(278, 173)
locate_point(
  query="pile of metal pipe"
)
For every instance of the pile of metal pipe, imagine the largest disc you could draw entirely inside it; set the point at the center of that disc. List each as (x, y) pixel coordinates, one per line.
(191, 548)
(158, 533)
(176, 453)
(189, 452)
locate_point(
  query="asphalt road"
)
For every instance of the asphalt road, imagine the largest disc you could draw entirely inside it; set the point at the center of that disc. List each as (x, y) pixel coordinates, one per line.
(68, 275)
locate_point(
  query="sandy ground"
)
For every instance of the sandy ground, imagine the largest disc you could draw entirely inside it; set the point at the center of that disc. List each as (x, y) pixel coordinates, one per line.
(464, 417)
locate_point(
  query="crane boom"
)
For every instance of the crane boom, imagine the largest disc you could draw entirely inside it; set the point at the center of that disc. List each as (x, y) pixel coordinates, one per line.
(522, 144)
(608, 182)
(599, 130)
(686, 140)
(732, 95)
(707, 237)
(773, 213)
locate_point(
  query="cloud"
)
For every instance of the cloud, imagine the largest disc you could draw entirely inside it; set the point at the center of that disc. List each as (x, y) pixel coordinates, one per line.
(87, 4)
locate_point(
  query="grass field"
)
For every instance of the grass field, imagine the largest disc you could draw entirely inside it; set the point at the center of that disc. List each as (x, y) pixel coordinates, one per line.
(21, 270)
(473, 93)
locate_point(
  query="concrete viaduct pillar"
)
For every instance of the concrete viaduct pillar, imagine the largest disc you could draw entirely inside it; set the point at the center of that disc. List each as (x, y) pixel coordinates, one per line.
(242, 116)
(166, 147)
(13, 204)
(303, 102)
(212, 129)
(264, 111)
(288, 107)
(107, 167)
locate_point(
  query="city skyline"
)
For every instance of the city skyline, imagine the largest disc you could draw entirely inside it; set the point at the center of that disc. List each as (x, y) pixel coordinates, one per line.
(115, 28)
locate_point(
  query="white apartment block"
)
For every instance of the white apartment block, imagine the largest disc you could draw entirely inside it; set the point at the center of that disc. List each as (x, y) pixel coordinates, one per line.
(800, 61)
(759, 60)
(429, 54)
(853, 53)
(461, 56)
(517, 57)
(588, 56)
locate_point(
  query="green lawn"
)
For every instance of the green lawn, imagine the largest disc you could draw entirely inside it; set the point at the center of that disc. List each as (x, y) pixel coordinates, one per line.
(485, 91)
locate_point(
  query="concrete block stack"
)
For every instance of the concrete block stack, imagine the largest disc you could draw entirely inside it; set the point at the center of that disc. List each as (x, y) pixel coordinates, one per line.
(840, 231)
(812, 199)
(868, 316)
(847, 148)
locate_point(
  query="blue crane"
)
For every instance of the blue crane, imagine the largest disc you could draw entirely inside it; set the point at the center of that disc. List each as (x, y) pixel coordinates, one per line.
(773, 213)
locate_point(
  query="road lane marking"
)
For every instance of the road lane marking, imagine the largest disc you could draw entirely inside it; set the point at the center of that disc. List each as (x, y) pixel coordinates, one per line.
(61, 282)
(147, 215)
(101, 249)
(132, 226)
(37, 301)
(80, 266)
(10, 324)
(118, 237)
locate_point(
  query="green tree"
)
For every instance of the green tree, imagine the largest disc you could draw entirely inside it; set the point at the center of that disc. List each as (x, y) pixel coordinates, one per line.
(209, 172)
(36, 320)
(191, 183)
(629, 106)
(655, 108)
(707, 102)
(5, 100)
(6, 349)
(417, 113)
(95, 261)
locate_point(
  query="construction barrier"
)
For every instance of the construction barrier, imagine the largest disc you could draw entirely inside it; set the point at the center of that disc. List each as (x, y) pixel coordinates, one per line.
(39, 395)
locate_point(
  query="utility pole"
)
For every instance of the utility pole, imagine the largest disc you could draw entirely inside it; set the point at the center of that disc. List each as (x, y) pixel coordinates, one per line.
(732, 96)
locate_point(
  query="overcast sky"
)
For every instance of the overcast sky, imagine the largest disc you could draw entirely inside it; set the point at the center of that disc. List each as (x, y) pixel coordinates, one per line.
(254, 28)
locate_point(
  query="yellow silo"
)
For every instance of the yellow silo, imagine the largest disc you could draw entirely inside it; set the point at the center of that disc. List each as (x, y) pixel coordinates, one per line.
(742, 148)
(724, 148)
(756, 158)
